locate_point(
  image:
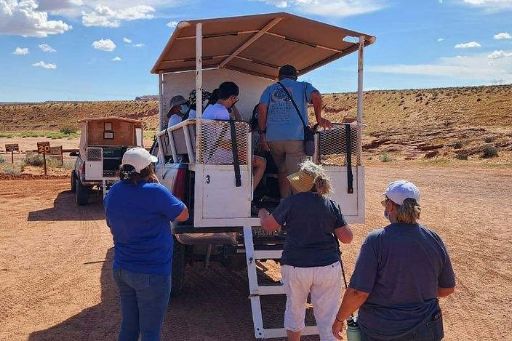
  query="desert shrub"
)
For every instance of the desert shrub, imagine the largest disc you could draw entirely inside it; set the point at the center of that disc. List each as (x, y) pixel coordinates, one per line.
(2, 160)
(34, 160)
(489, 139)
(52, 162)
(10, 169)
(458, 145)
(32, 134)
(54, 135)
(489, 151)
(67, 130)
(461, 156)
(385, 157)
(6, 135)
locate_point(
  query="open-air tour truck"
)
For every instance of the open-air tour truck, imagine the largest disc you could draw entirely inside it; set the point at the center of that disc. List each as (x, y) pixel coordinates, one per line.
(103, 142)
(215, 183)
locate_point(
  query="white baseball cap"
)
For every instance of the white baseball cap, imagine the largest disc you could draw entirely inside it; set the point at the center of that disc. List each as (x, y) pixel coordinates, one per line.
(139, 158)
(400, 190)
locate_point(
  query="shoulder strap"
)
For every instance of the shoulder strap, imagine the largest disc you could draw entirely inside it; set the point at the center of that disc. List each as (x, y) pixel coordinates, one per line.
(294, 104)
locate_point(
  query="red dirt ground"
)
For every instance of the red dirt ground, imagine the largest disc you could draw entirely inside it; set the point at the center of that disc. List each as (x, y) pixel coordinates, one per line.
(55, 262)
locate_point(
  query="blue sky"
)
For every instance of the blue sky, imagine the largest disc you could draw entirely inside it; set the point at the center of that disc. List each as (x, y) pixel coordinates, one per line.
(104, 49)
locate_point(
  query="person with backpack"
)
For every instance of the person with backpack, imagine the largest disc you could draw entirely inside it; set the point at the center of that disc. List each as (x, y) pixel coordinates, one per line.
(283, 121)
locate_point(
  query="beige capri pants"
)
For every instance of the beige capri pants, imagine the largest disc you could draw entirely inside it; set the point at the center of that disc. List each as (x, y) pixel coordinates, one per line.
(325, 285)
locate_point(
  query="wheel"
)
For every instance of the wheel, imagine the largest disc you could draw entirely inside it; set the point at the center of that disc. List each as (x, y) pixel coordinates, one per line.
(73, 182)
(178, 268)
(81, 193)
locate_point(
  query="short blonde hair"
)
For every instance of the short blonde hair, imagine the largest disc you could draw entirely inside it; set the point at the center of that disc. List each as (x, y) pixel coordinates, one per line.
(322, 183)
(409, 212)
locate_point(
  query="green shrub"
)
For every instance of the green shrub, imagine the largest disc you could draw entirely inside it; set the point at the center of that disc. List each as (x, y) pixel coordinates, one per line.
(52, 162)
(385, 157)
(34, 160)
(461, 156)
(67, 130)
(489, 151)
(55, 135)
(10, 169)
(458, 145)
(2, 159)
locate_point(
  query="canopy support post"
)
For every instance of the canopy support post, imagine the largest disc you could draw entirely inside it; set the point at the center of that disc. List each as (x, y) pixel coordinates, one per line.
(360, 96)
(199, 70)
(160, 101)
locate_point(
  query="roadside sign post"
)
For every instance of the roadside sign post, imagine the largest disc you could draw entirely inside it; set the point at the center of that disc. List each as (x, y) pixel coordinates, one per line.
(43, 148)
(14, 147)
(57, 151)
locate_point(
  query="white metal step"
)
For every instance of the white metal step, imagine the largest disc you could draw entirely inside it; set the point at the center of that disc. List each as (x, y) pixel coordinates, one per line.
(268, 254)
(268, 290)
(281, 332)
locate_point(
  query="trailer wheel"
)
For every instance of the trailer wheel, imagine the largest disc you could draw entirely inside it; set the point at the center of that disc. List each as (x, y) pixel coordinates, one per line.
(178, 268)
(73, 182)
(81, 193)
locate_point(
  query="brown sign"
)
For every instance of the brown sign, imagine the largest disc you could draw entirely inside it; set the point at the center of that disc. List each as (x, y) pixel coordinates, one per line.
(43, 147)
(12, 147)
(56, 150)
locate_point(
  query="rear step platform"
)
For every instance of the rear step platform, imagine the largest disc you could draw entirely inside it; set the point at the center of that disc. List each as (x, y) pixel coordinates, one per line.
(255, 253)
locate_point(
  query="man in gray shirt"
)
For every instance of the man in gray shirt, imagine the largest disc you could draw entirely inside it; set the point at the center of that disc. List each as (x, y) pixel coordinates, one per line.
(401, 271)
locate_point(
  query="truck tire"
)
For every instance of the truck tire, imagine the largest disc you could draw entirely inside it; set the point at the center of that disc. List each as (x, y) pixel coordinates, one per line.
(81, 193)
(73, 182)
(178, 268)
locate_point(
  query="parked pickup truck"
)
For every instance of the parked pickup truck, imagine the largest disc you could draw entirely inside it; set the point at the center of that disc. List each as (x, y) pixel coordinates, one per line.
(103, 142)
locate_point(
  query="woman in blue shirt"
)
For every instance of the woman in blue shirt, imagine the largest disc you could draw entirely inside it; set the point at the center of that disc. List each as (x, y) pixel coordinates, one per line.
(139, 211)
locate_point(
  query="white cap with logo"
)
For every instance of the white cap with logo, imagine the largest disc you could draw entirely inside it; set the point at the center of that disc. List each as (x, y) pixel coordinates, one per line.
(139, 158)
(400, 190)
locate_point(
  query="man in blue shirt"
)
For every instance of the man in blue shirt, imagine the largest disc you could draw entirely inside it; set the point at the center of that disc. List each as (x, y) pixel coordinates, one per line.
(401, 271)
(280, 126)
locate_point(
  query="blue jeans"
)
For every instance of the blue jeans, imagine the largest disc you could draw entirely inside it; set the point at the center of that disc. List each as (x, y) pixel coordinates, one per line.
(431, 330)
(144, 300)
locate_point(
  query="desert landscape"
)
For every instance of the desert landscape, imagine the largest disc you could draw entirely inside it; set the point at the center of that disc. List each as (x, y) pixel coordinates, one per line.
(454, 143)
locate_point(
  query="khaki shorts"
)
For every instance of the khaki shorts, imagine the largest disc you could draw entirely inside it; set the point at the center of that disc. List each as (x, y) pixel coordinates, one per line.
(325, 286)
(287, 155)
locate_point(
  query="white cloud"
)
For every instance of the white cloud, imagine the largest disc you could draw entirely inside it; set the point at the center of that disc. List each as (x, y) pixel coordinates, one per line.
(138, 45)
(21, 51)
(116, 59)
(440, 40)
(499, 54)
(470, 45)
(26, 19)
(502, 36)
(127, 41)
(491, 5)
(47, 48)
(104, 45)
(45, 65)
(172, 24)
(104, 16)
(330, 8)
(478, 68)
